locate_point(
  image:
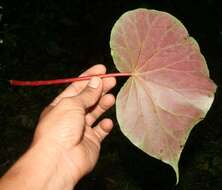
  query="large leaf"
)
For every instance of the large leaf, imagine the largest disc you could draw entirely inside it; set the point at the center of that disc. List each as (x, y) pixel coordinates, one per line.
(169, 90)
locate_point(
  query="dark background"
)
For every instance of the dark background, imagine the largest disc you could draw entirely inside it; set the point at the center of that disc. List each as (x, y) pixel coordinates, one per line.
(49, 39)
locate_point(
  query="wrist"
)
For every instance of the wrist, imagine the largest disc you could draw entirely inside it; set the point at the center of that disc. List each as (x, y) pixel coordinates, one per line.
(46, 168)
(58, 158)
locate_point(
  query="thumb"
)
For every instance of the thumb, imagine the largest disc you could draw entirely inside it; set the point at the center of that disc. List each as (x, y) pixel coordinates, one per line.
(91, 94)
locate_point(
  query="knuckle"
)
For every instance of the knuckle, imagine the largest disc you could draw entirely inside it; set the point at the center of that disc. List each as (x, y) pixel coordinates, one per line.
(86, 99)
(73, 104)
(78, 106)
(91, 94)
(65, 102)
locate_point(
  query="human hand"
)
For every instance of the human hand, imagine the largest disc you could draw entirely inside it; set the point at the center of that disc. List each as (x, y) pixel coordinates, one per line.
(66, 124)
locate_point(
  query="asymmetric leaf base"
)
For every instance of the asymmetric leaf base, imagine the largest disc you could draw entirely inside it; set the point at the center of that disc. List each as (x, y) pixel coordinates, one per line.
(169, 90)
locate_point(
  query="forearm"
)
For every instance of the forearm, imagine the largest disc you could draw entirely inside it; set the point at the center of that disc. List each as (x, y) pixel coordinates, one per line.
(40, 168)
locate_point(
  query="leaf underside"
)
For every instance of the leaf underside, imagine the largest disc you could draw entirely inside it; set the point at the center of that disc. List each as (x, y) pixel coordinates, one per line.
(169, 90)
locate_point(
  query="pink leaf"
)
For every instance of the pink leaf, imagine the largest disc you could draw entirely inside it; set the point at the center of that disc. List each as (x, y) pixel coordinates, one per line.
(169, 91)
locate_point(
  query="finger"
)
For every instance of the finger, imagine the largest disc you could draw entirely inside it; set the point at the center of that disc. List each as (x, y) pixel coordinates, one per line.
(76, 87)
(104, 104)
(103, 129)
(95, 70)
(108, 84)
(90, 95)
(45, 111)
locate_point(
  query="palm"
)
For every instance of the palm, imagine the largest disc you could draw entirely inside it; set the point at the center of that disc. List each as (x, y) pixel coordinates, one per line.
(83, 152)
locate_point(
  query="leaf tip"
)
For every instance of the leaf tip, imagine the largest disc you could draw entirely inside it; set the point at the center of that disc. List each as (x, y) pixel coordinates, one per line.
(175, 167)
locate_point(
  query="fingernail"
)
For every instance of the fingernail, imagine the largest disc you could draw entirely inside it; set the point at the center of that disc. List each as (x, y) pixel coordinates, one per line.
(94, 82)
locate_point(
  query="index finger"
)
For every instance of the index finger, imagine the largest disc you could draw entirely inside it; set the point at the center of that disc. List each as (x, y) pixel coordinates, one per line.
(76, 87)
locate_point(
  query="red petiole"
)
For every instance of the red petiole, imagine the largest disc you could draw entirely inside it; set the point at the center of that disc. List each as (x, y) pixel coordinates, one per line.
(66, 80)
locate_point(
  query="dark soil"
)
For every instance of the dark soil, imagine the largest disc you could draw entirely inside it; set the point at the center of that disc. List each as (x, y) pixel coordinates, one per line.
(48, 39)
